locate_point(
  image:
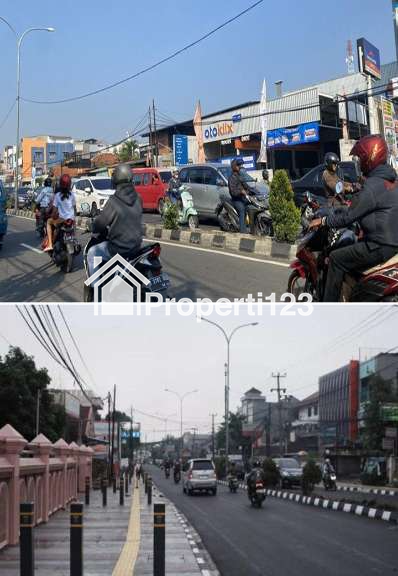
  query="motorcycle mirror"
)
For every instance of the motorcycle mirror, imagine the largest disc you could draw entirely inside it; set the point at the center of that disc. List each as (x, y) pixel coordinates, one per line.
(85, 209)
(339, 188)
(220, 182)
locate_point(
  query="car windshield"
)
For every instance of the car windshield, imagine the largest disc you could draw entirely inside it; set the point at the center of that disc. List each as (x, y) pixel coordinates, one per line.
(289, 463)
(165, 177)
(102, 184)
(226, 171)
(202, 465)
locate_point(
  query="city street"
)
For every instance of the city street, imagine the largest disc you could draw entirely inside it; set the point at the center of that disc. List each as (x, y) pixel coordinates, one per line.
(27, 275)
(283, 537)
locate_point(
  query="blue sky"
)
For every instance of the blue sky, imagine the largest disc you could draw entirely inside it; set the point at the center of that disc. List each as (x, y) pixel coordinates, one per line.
(97, 42)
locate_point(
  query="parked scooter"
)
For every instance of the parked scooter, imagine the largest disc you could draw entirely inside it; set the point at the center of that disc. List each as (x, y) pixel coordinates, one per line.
(233, 484)
(228, 216)
(187, 213)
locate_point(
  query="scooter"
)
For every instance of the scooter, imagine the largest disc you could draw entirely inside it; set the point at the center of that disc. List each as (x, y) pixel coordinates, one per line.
(228, 216)
(257, 496)
(233, 484)
(66, 246)
(187, 213)
(329, 481)
(177, 476)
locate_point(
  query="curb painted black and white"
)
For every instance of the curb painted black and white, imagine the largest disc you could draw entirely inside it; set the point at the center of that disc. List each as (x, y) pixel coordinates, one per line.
(329, 504)
(375, 491)
(202, 557)
(213, 240)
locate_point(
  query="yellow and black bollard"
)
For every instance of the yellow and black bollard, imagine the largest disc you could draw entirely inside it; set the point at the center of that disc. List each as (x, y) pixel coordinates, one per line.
(76, 539)
(121, 491)
(159, 540)
(26, 544)
(104, 488)
(87, 491)
(149, 493)
(146, 483)
(126, 483)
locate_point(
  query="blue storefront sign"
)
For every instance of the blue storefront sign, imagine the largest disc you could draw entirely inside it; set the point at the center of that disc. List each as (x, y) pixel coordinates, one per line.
(369, 58)
(180, 149)
(249, 162)
(302, 134)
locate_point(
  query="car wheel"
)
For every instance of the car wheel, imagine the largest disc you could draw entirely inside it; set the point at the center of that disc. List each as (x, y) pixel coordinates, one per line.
(193, 222)
(214, 491)
(190, 492)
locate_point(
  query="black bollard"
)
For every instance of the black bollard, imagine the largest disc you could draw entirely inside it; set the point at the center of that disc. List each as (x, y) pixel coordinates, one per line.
(159, 540)
(26, 544)
(146, 483)
(104, 487)
(121, 492)
(114, 484)
(126, 483)
(87, 491)
(149, 491)
(76, 539)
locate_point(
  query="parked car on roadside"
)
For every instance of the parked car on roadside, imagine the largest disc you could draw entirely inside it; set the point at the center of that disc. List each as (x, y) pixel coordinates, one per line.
(94, 191)
(290, 472)
(312, 182)
(208, 182)
(199, 476)
(150, 186)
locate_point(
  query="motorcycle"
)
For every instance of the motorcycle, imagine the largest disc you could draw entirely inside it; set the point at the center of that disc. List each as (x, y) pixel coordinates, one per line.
(228, 216)
(257, 495)
(167, 472)
(329, 481)
(379, 284)
(41, 222)
(146, 261)
(177, 476)
(233, 484)
(66, 246)
(187, 213)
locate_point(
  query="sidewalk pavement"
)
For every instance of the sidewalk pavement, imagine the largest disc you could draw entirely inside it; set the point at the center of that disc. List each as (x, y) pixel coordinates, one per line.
(104, 537)
(185, 554)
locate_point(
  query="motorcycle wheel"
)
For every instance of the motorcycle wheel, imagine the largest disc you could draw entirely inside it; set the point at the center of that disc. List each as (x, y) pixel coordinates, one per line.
(161, 206)
(393, 298)
(68, 263)
(88, 294)
(263, 227)
(193, 222)
(297, 285)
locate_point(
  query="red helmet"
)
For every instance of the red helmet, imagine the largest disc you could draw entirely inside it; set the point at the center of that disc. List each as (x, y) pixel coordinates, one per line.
(65, 182)
(372, 151)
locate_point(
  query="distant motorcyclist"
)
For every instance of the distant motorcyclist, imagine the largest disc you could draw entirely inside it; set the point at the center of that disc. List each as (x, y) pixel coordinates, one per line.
(239, 190)
(265, 176)
(43, 202)
(120, 222)
(167, 468)
(177, 469)
(375, 209)
(256, 475)
(327, 473)
(330, 178)
(64, 209)
(173, 191)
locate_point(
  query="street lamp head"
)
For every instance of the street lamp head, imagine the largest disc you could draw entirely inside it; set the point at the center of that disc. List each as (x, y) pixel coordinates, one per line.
(254, 324)
(50, 29)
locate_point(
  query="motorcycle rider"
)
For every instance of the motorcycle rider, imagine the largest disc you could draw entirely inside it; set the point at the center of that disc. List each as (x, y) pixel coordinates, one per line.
(239, 190)
(375, 209)
(328, 470)
(265, 176)
(64, 208)
(256, 474)
(177, 469)
(330, 178)
(120, 221)
(167, 468)
(173, 191)
(44, 200)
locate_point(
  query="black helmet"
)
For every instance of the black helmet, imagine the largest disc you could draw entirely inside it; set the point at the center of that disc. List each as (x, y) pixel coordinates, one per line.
(236, 162)
(330, 159)
(122, 175)
(257, 464)
(48, 182)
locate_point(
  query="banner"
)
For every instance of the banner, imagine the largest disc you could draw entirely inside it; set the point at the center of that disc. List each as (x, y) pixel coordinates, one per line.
(369, 58)
(302, 134)
(389, 126)
(180, 146)
(263, 110)
(197, 123)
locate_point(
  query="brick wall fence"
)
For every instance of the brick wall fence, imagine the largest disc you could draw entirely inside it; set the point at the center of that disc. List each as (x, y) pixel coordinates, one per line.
(50, 475)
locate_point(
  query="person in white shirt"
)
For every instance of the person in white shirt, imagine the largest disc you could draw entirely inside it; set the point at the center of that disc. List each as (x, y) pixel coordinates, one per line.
(64, 208)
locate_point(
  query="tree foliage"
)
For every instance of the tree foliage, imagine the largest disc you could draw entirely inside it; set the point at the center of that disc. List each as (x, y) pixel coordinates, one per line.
(129, 151)
(20, 382)
(236, 438)
(285, 214)
(312, 475)
(271, 472)
(170, 216)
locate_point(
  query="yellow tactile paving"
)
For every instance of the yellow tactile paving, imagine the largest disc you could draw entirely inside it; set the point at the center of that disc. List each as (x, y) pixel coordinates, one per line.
(128, 556)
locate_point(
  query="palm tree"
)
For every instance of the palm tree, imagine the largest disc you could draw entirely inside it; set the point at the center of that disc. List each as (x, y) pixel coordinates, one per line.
(129, 151)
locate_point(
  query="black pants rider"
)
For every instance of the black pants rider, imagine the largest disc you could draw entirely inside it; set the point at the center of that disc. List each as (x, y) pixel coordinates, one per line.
(353, 259)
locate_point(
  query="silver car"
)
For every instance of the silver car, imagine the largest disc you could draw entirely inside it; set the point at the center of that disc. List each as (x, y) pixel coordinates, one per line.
(208, 182)
(199, 475)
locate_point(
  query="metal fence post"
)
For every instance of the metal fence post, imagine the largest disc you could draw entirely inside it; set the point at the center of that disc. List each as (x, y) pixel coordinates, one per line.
(126, 483)
(114, 484)
(87, 491)
(104, 488)
(146, 483)
(159, 540)
(149, 491)
(76, 539)
(26, 543)
(121, 492)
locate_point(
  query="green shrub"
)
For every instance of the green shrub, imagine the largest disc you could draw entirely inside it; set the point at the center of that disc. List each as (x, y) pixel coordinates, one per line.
(285, 215)
(312, 475)
(220, 463)
(170, 216)
(271, 472)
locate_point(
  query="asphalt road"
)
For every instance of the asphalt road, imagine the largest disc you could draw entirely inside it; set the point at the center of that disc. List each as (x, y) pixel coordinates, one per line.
(284, 538)
(27, 274)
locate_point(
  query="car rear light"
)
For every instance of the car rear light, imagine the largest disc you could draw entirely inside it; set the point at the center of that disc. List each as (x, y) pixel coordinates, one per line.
(259, 484)
(155, 252)
(190, 476)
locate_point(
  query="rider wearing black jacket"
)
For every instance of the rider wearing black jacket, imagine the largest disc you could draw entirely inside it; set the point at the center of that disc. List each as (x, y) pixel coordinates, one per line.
(376, 210)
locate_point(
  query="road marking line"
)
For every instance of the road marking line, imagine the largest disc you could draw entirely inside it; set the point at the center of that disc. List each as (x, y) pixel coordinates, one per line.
(32, 248)
(128, 556)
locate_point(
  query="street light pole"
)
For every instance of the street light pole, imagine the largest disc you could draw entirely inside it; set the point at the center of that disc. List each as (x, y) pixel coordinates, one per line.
(181, 399)
(228, 339)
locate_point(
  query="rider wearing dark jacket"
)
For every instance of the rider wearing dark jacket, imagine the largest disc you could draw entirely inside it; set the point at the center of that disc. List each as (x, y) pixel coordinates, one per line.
(376, 210)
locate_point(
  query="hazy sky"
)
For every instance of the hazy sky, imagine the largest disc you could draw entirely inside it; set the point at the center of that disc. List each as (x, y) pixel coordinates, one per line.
(98, 42)
(145, 355)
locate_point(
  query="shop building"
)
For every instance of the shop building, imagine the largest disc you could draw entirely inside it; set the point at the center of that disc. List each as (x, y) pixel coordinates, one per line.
(40, 153)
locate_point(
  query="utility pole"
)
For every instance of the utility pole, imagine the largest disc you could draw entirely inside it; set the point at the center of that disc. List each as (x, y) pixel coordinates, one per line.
(131, 437)
(156, 135)
(268, 438)
(113, 428)
(150, 137)
(279, 391)
(213, 439)
(109, 437)
(226, 399)
(38, 398)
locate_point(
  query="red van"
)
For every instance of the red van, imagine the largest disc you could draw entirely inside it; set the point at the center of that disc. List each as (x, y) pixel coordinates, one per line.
(150, 187)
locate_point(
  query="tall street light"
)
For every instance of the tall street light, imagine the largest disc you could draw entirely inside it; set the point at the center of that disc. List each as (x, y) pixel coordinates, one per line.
(228, 339)
(181, 398)
(19, 43)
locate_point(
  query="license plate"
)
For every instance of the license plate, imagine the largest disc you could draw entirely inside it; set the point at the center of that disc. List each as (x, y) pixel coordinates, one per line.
(160, 282)
(260, 491)
(69, 237)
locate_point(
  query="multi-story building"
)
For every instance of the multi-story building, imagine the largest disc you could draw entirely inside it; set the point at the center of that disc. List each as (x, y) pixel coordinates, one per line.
(40, 153)
(304, 430)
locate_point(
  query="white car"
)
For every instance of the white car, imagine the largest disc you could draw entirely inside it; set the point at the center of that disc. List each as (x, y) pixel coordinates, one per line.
(94, 191)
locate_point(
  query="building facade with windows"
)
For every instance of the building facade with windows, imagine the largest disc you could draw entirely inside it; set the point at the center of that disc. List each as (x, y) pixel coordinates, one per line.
(304, 430)
(39, 154)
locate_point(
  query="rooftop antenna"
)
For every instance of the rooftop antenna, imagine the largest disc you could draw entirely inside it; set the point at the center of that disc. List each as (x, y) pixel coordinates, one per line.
(350, 58)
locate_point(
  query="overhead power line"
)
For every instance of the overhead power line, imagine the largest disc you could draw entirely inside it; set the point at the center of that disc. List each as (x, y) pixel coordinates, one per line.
(8, 114)
(152, 66)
